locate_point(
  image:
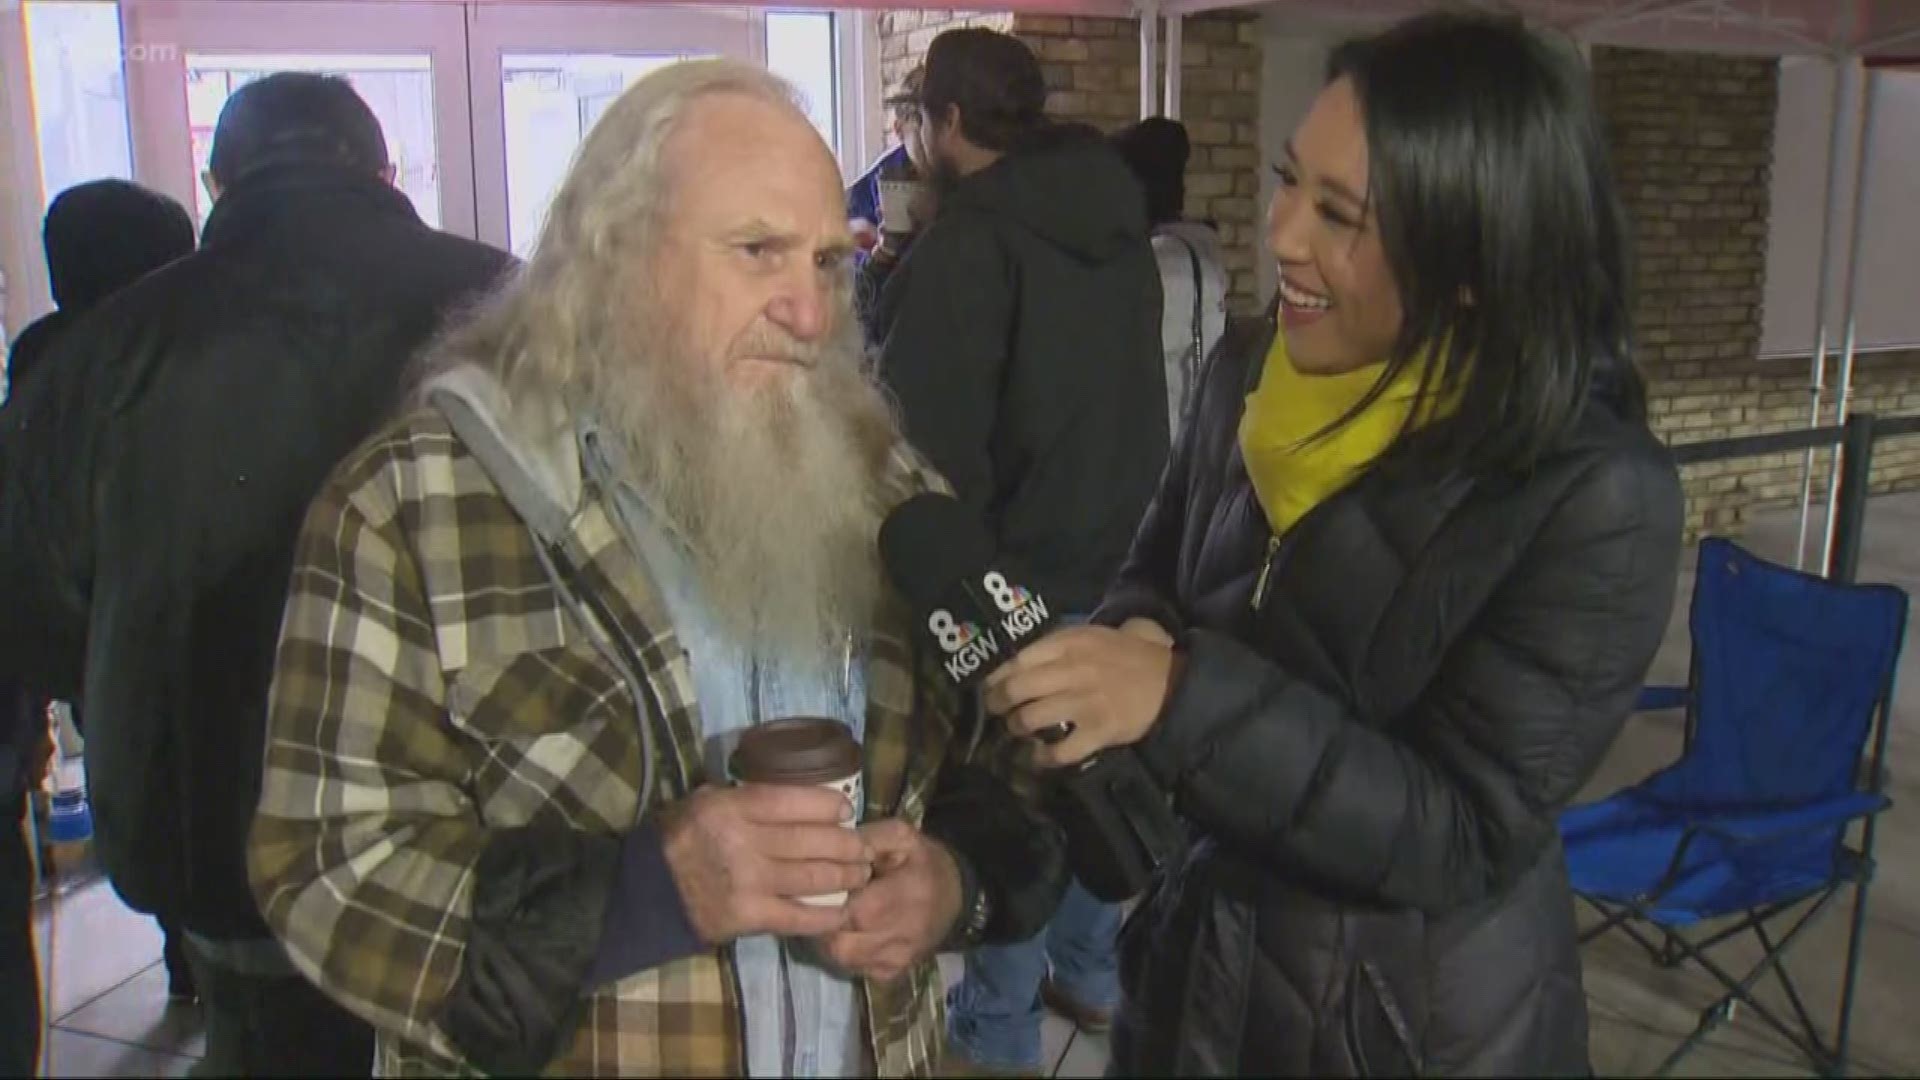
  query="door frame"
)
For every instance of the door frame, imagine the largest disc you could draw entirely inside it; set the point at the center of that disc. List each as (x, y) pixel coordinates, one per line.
(24, 292)
(164, 32)
(156, 90)
(497, 29)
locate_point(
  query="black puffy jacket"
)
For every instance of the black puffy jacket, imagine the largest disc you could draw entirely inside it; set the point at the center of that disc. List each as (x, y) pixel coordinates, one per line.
(1373, 761)
(156, 474)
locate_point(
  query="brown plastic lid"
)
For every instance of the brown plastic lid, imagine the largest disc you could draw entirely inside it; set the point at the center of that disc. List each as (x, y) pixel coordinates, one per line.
(799, 750)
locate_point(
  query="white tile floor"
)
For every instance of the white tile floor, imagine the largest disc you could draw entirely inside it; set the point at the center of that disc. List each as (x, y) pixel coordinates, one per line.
(109, 992)
(137, 1013)
(112, 1017)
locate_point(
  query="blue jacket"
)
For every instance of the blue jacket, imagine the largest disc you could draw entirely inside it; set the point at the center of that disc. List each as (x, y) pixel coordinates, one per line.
(863, 198)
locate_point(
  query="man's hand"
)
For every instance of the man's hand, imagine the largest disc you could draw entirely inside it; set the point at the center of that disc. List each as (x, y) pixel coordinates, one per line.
(741, 857)
(904, 915)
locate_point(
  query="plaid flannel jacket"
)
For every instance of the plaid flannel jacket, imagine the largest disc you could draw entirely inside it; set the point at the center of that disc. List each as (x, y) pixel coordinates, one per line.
(432, 687)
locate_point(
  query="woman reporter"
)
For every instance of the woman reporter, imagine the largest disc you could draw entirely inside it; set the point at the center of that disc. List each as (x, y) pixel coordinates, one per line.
(1396, 595)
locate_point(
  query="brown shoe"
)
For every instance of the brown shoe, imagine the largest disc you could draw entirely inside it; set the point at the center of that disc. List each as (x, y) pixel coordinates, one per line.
(1087, 1018)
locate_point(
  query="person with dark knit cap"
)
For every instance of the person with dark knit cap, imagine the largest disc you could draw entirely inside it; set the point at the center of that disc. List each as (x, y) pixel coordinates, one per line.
(1193, 282)
(100, 237)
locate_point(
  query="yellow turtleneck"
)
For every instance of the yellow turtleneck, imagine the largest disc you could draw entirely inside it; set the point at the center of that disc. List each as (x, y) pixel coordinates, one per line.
(1292, 471)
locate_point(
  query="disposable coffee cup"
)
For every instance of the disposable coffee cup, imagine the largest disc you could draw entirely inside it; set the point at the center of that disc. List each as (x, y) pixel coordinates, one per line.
(803, 750)
(896, 205)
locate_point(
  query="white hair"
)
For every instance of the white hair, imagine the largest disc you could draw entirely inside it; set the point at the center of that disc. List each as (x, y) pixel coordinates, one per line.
(555, 314)
(777, 492)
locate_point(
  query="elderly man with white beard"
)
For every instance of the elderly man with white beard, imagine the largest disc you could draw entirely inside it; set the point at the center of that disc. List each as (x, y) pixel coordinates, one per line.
(634, 515)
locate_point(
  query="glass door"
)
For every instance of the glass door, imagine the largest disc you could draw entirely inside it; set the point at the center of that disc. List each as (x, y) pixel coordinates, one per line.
(483, 103)
(408, 61)
(543, 74)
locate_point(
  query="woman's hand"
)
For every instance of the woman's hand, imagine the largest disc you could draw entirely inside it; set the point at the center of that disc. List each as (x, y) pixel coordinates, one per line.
(1147, 630)
(1110, 685)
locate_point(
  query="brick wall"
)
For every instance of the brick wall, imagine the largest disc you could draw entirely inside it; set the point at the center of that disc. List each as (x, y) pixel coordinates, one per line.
(1092, 68)
(1712, 400)
(1692, 139)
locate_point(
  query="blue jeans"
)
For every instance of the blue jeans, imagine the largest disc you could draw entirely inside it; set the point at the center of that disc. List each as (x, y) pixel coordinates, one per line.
(993, 1015)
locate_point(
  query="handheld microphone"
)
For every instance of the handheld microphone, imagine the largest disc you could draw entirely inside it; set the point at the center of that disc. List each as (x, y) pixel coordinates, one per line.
(978, 616)
(941, 560)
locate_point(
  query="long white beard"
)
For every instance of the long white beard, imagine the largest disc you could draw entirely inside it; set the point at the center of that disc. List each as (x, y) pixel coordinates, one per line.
(777, 493)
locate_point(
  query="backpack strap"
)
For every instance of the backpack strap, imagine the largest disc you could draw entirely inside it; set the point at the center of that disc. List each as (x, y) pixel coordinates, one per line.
(1196, 352)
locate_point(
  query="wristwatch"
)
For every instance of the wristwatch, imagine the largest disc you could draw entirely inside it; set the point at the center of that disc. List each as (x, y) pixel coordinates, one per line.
(976, 908)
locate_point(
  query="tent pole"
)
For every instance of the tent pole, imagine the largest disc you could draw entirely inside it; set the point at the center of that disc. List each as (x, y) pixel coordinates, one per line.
(1864, 160)
(1645, 9)
(1149, 57)
(1175, 46)
(1888, 41)
(1846, 68)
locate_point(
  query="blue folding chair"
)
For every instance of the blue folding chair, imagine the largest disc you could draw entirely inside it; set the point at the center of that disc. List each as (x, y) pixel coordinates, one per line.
(1792, 676)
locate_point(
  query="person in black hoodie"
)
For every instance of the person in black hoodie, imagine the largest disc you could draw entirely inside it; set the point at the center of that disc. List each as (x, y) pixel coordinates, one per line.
(100, 237)
(155, 481)
(1021, 337)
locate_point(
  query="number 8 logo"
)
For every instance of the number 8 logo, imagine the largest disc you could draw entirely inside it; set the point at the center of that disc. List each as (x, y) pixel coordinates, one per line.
(946, 631)
(1002, 593)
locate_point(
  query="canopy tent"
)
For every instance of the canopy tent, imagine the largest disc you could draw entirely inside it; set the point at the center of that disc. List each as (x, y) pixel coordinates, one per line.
(1871, 28)
(1867, 28)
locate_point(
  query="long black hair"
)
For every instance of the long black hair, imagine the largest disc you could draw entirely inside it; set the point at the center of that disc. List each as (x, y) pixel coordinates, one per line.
(1496, 206)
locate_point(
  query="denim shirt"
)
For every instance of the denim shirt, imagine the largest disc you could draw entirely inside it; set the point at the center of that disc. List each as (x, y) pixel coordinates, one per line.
(802, 1018)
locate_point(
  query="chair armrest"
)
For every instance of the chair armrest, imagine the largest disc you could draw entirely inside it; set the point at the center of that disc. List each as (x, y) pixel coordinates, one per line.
(1662, 698)
(1764, 826)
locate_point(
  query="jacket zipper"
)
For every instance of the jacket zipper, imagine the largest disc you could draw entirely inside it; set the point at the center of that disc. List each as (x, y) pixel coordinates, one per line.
(1266, 573)
(1276, 541)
